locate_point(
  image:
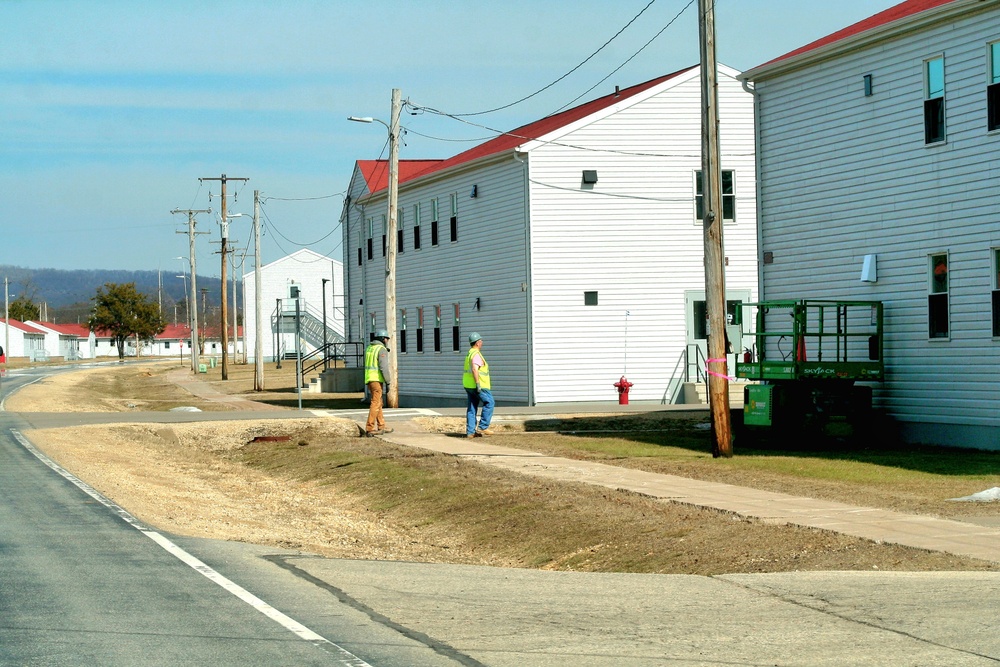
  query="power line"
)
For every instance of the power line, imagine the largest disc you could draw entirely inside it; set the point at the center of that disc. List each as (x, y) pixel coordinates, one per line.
(629, 59)
(544, 88)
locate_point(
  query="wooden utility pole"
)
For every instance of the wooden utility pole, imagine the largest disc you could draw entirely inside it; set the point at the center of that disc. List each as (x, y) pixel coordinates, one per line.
(223, 324)
(194, 286)
(715, 277)
(392, 400)
(258, 341)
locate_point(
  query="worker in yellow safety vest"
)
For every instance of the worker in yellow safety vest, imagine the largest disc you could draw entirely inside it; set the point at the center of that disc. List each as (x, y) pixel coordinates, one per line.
(476, 380)
(377, 374)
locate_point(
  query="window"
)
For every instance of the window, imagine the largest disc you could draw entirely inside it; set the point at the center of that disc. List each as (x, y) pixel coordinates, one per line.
(385, 228)
(454, 217)
(402, 331)
(437, 328)
(371, 232)
(359, 256)
(399, 232)
(728, 196)
(420, 329)
(934, 131)
(995, 252)
(361, 242)
(416, 228)
(371, 327)
(434, 222)
(456, 343)
(937, 297)
(590, 298)
(993, 89)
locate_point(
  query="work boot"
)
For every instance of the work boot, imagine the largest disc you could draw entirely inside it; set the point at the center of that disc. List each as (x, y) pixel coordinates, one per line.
(483, 431)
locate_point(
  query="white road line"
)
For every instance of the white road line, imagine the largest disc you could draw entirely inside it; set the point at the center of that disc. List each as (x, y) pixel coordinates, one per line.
(347, 658)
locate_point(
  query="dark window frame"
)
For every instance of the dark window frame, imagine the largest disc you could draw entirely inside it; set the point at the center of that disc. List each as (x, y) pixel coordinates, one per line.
(728, 195)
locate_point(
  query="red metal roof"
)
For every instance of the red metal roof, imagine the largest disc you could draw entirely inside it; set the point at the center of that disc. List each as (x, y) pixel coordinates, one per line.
(525, 133)
(895, 13)
(21, 326)
(175, 332)
(376, 172)
(67, 329)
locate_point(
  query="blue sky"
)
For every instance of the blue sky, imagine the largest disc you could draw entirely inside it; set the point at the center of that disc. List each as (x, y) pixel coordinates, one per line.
(110, 111)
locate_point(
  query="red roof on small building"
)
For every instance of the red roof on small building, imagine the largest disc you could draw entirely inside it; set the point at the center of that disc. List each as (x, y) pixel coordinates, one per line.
(895, 13)
(21, 326)
(175, 332)
(525, 133)
(67, 329)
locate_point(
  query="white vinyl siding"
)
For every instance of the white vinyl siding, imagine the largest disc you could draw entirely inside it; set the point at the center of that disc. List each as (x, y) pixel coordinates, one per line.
(492, 248)
(844, 175)
(630, 239)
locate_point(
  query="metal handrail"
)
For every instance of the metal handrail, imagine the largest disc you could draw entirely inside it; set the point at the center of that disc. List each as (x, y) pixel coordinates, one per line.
(684, 360)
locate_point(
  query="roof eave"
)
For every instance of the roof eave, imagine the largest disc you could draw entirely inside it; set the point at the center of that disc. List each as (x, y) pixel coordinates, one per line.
(875, 35)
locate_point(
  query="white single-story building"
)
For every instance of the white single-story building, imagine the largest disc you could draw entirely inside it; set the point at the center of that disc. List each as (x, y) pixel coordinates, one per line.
(574, 245)
(21, 340)
(877, 152)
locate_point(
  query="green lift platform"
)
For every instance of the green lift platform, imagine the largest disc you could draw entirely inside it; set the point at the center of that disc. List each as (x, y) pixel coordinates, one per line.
(808, 358)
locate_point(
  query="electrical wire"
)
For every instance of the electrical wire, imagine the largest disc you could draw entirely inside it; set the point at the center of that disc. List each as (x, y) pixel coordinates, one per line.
(544, 88)
(611, 194)
(628, 60)
(428, 136)
(275, 229)
(586, 148)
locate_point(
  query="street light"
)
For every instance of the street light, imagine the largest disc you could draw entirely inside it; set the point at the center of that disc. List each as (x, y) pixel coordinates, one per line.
(392, 399)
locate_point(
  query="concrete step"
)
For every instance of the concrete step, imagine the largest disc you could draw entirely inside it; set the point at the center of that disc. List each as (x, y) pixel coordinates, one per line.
(696, 393)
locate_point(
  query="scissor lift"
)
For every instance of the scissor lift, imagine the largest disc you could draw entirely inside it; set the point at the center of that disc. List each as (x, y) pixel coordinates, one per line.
(808, 358)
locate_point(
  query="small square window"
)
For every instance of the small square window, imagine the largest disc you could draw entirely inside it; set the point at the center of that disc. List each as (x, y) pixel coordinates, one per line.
(590, 298)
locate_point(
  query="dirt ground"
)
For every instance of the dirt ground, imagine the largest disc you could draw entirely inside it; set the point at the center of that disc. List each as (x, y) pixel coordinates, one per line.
(313, 485)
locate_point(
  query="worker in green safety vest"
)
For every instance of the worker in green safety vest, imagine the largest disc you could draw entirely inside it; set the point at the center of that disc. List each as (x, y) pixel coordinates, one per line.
(376, 374)
(476, 380)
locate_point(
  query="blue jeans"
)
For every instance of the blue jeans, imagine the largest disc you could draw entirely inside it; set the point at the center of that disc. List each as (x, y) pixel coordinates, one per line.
(475, 398)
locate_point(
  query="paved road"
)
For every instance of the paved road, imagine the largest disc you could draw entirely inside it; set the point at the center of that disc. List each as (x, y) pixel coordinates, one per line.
(84, 583)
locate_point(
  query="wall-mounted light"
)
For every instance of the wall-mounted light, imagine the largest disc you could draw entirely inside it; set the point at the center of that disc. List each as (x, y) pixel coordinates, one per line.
(589, 176)
(869, 274)
(475, 192)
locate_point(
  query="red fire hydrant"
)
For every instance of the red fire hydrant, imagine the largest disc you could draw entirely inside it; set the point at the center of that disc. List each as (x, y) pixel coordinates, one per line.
(622, 386)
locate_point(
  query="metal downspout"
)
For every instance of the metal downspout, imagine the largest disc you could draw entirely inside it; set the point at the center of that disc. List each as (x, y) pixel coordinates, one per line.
(757, 200)
(529, 356)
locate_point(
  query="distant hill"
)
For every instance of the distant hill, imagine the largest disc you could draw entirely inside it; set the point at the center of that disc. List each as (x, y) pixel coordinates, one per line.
(59, 289)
